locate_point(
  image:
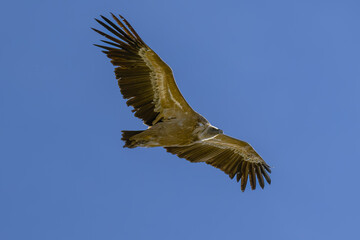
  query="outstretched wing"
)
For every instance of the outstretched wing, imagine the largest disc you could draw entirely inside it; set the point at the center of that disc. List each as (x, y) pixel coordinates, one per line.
(231, 155)
(143, 77)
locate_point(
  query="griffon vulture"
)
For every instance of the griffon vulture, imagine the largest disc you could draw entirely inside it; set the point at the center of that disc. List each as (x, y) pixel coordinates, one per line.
(148, 84)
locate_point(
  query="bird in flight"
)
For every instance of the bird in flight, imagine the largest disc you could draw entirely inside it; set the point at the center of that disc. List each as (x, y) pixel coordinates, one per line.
(149, 85)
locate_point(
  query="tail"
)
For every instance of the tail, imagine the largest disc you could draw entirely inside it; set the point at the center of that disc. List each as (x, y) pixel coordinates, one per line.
(126, 138)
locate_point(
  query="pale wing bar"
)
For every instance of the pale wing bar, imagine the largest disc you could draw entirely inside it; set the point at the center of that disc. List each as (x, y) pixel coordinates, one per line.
(238, 161)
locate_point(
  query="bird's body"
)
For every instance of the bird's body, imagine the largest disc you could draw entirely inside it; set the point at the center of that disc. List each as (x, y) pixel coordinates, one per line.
(148, 84)
(177, 131)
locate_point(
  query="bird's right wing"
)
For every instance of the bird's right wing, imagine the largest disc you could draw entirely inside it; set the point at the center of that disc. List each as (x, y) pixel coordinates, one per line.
(143, 77)
(233, 156)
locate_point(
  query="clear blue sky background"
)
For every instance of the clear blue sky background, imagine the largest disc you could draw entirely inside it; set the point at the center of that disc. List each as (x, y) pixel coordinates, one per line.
(283, 75)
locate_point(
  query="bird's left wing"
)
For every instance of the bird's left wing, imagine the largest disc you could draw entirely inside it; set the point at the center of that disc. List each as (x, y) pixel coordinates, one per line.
(144, 79)
(233, 156)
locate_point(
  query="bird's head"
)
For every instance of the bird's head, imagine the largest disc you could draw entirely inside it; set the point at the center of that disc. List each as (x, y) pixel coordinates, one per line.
(214, 130)
(210, 131)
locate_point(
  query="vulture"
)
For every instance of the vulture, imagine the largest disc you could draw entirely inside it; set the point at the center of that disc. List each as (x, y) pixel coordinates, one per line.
(148, 84)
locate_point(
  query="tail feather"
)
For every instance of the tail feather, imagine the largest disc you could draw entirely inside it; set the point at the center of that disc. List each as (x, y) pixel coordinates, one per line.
(126, 138)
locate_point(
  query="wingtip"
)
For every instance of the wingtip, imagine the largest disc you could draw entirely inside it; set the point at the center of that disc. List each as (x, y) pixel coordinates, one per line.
(238, 177)
(268, 168)
(115, 18)
(104, 18)
(99, 32)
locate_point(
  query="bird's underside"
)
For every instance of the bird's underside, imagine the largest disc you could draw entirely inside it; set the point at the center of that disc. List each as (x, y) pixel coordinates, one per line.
(148, 84)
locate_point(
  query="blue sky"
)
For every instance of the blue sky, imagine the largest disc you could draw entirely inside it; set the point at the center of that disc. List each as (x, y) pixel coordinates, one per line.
(283, 75)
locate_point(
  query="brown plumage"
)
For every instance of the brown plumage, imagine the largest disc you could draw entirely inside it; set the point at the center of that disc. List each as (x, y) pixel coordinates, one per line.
(148, 84)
